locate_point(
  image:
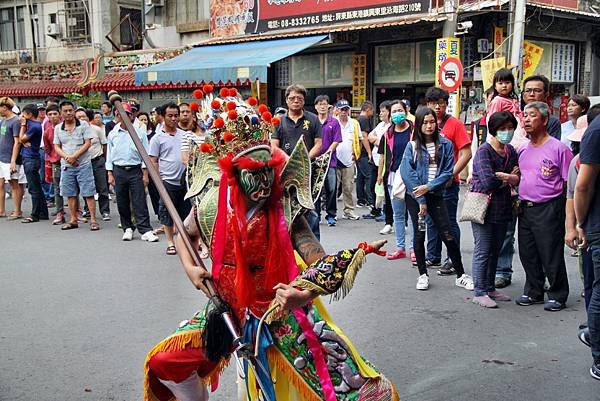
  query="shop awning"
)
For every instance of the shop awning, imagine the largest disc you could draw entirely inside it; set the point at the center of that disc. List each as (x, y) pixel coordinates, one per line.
(223, 63)
(126, 81)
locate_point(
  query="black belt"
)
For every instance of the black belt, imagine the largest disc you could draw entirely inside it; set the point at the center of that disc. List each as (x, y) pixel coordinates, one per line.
(97, 158)
(527, 203)
(127, 168)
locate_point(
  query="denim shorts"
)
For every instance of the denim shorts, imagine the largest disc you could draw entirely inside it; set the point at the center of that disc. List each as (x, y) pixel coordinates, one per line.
(77, 181)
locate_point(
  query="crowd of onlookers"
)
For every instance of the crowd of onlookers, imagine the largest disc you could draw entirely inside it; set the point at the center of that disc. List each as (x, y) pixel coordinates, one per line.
(531, 173)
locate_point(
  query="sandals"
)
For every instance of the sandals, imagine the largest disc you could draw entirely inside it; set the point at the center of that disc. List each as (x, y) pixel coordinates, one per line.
(27, 220)
(13, 217)
(171, 250)
(94, 226)
(70, 226)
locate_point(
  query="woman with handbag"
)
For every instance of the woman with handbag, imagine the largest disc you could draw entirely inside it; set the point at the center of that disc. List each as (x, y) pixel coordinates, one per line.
(426, 167)
(489, 205)
(391, 148)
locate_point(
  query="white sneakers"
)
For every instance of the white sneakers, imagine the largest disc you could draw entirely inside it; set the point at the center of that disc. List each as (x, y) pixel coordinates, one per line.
(465, 281)
(423, 282)
(127, 235)
(387, 229)
(149, 236)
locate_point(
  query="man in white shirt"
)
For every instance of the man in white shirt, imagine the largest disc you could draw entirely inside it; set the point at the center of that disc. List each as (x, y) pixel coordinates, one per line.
(346, 157)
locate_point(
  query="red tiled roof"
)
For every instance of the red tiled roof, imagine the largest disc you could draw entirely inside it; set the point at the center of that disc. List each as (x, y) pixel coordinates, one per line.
(126, 81)
(39, 88)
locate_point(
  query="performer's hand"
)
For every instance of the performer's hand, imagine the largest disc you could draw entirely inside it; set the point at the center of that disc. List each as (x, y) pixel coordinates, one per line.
(198, 275)
(291, 298)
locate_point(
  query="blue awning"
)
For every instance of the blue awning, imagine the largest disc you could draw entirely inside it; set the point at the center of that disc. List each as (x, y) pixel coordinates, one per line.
(231, 62)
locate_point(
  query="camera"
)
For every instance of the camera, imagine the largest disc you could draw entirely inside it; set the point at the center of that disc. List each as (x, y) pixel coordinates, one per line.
(464, 26)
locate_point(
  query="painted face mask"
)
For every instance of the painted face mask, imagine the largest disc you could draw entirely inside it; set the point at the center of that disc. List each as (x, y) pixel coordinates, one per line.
(505, 137)
(398, 117)
(257, 183)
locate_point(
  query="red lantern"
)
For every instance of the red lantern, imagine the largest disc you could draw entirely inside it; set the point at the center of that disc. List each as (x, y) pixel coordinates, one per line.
(233, 92)
(215, 104)
(224, 92)
(252, 101)
(207, 88)
(198, 94)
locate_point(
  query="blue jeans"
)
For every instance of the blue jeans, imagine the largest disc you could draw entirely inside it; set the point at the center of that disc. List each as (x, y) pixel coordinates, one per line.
(593, 311)
(586, 265)
(434, 243)
(488, 239)
(399, 208)
(507, 252)
(39, 209)
(46, 187)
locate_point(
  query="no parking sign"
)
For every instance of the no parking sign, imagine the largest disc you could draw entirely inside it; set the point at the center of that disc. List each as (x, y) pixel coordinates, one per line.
(450, 74)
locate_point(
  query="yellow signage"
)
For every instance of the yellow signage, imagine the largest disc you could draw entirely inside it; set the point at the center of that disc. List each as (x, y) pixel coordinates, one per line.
(489, 68)
(498, 40)
(532, 54)
(359, 79)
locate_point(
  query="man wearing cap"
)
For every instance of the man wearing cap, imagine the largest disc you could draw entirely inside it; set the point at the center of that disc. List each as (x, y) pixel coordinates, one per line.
(347, 152)
(11, 169)
(72, 139)
(127, 173)
(298, 123)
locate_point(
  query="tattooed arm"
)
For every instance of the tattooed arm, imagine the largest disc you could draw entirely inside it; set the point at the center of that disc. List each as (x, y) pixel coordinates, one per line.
(305, 243)
(196, 274)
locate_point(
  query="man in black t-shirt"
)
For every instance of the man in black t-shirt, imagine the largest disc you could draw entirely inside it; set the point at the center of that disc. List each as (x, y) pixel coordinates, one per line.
(297, 123)
(365, 182)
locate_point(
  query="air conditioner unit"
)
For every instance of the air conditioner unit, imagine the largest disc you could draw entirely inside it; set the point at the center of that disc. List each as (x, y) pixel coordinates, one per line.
(53, 30)
(155, 3)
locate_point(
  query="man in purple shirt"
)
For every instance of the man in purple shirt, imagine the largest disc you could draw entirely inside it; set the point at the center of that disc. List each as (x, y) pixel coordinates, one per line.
(544, 164)
(331, 136)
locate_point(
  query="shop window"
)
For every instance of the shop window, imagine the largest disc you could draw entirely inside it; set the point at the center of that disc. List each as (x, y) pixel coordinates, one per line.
(338, 69)
(425, 61)
(395, 63)
(7, 29)
(78, 24)
(545, 65)
(308, 70)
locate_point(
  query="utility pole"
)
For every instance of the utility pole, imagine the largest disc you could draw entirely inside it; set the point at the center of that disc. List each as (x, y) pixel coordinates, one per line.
(518, 33)
(451, 10)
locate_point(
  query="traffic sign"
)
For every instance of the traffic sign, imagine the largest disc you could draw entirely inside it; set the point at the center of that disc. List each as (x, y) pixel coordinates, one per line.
(450, 74)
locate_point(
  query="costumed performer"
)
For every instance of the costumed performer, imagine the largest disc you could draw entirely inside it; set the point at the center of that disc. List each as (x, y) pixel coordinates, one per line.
(249, 200)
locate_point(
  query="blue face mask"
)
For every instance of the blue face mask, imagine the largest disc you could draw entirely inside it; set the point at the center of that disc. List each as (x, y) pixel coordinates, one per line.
(398, 117)
(505, 137)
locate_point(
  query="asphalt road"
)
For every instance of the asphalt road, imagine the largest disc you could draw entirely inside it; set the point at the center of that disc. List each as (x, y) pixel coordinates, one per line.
(80, 309)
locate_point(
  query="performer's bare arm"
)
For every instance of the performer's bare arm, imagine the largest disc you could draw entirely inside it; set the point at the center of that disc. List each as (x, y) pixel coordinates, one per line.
(196, 274)
(309, 248)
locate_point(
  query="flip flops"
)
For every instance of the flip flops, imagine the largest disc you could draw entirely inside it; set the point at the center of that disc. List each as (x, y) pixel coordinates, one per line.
(94, 226)
(13, 217)
(171, 250)
(69, 226)
(27, 220)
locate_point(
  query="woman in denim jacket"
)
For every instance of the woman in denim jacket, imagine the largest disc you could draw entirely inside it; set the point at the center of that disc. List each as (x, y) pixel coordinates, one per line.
(426, 167)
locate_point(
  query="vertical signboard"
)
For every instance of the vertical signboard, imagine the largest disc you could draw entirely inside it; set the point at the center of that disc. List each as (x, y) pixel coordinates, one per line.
(532, 54)
(446, 48)
(498, 40)
(359, 79)
(563, 62)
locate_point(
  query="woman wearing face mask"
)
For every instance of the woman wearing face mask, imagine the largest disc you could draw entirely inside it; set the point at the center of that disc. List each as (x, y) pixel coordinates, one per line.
(495, 170)
(426, 166)
(391, 146)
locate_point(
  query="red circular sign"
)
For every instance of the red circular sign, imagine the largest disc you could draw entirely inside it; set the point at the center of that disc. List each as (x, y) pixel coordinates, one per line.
(450, 74)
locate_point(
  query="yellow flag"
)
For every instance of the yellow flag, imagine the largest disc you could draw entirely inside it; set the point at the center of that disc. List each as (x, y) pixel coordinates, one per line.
(489, 68)
(532, 54)
(178, 100)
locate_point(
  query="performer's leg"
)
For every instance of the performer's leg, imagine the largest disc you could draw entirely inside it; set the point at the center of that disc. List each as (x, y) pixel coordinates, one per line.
(191, 389)
(181, 372)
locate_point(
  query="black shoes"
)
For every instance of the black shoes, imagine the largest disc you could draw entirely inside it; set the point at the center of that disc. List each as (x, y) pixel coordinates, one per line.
(501, 282)
(595, 370)
(554, 306)
(447, 269)
(584, 336)
(525, 300)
